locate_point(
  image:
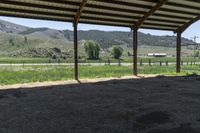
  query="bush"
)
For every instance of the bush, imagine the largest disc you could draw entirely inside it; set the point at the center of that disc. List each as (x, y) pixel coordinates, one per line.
(54, 57)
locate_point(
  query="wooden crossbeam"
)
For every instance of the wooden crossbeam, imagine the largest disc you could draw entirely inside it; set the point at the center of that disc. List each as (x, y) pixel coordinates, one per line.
(186, 25)
(152, 11)
(80, 10)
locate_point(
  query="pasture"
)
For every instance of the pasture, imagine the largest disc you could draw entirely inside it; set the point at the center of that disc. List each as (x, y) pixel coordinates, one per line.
(25, 74)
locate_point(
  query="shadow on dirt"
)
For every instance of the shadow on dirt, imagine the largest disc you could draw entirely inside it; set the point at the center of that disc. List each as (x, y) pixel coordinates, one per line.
(147, 105)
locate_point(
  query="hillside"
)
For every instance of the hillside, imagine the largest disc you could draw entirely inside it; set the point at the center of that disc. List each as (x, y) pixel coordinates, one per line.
(17, 40)
(107, 39)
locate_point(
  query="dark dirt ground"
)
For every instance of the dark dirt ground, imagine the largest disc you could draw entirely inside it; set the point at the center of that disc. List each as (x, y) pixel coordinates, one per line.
(151, 105)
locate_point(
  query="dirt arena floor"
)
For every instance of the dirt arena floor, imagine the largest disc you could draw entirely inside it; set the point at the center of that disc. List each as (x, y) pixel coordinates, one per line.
(140, 105)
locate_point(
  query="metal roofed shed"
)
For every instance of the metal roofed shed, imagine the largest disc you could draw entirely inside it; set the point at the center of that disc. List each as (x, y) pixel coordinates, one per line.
(157, 54)
(171, 15)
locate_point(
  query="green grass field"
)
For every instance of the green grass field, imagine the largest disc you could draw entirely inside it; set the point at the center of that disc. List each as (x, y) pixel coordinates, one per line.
(19, 60)
(14, 74)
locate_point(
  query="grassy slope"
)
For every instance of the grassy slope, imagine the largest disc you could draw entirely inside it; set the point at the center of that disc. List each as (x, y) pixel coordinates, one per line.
(7, 49)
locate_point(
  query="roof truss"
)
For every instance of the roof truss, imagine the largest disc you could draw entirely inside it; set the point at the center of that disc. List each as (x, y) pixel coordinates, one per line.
(152, 11)
(151, 14)
(78, 14)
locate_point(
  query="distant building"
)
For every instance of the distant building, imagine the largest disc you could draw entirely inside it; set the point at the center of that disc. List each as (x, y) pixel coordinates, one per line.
(157, 54)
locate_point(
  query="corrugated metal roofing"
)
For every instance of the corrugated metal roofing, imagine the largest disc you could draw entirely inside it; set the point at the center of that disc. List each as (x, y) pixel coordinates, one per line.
(151, 14)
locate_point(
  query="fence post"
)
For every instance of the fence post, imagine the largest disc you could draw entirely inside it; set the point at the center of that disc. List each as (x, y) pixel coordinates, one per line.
(23, 63)
(119, 62)
(181, 62)
(166, 63)
(109, 62)
(149, 62)
(160, 63)
(140, 62)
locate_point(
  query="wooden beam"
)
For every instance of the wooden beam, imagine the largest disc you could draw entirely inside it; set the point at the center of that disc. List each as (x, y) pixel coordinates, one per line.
(178, 5)
(40, 6)
(80, 10)
(105, 24)
(186, 25)
(124, 3)
(135, 41)
(152, 11)
(76, 20)
(178, 52)
(75, 52)
(157, 28)
(70, 10)
(36, 12)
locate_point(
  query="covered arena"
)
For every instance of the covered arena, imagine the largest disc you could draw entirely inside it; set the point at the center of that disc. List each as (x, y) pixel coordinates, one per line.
(154, 104)
(127, 105)
(175, 16)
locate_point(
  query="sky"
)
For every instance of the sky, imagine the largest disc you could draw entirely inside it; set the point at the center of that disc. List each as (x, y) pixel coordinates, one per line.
(193, 30)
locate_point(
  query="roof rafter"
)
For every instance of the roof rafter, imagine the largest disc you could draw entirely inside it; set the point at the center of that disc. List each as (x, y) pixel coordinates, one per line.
(154, 14)
(152, 11)
(80, 10)
(186, 25)
(40, 6)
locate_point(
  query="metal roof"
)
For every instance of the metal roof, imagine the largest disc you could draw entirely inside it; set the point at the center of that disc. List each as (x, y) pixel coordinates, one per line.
(151, 14)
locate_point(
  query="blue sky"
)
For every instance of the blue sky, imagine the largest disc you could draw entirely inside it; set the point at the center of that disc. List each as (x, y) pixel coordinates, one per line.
(193, 30)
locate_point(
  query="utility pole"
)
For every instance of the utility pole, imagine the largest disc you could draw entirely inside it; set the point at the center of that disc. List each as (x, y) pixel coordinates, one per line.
(195, 47)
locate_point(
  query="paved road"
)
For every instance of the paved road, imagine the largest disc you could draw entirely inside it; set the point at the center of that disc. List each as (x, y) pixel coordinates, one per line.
(91, 64)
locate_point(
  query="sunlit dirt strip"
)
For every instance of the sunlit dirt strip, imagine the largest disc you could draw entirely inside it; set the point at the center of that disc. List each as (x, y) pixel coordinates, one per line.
(52, 83)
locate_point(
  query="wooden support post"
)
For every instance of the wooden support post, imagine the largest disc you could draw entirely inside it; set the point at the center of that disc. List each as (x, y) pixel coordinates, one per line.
(178, 52)
(135, 32)
(75, 52)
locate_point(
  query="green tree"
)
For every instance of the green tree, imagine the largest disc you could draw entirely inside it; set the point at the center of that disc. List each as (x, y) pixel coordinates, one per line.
(117, 52)
(92, 49)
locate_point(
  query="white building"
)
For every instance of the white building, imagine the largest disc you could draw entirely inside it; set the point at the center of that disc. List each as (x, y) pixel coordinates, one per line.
(157, 54)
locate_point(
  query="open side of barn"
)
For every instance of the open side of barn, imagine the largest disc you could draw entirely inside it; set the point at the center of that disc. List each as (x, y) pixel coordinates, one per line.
(175, 16)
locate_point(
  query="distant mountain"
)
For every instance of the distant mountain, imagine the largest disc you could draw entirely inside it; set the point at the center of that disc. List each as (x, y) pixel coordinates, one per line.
(11, 27)
(44, 32)
(107, 39)
(13, 39)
